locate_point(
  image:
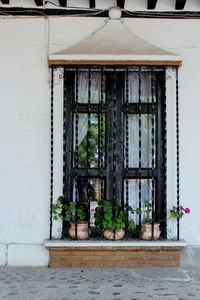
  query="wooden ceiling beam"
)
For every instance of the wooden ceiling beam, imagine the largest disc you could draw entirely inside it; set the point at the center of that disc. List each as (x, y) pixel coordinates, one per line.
(180, 4)
(121, 3)
(39, 2)
(92, 3)
(151, 4)
(5, 1)
(63, 3)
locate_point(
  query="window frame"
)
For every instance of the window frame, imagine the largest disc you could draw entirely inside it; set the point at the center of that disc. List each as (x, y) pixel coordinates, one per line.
(158, 174)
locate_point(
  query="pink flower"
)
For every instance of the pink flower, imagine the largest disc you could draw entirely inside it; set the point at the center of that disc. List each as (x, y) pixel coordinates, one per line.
(187, 210)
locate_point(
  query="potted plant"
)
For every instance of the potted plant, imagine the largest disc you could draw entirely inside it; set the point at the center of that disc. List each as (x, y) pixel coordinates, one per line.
(148, 228)
(111, 219)
(151, 229)
(64, 210)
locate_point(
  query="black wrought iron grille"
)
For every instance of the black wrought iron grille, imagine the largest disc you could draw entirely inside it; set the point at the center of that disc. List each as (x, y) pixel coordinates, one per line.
(114, 143)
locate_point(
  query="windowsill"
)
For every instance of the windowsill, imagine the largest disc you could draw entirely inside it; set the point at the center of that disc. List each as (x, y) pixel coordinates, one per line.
(104, 243)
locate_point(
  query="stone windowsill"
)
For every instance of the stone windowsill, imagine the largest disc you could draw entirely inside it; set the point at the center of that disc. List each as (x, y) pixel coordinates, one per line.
(104, 243)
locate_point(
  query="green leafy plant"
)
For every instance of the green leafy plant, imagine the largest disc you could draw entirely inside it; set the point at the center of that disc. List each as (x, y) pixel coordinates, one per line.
(174, 212)
(147, 210)
(64, 210)
(178, 213)
(110, 216)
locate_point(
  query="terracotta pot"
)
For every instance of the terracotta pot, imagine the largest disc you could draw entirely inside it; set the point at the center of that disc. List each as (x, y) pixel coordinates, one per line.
(146, 231)
(109, 234)
(82, 231)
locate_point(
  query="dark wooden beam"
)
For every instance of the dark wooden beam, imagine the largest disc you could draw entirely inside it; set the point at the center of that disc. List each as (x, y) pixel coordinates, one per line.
(180, 4)
(22, 11)
(151, 4)
(5, 1)
(63, 3)
(121, 3)
(92, 3)
(39, 2)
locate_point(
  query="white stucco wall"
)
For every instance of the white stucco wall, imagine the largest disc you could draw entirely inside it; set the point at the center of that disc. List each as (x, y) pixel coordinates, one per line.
(25, 124)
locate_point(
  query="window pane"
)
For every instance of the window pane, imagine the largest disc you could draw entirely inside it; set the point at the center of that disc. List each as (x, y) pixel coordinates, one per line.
(146, 87)
(89, 192)
(91, 141)
(97, 86)
(89, 189)
(133, 191)
(146, 140)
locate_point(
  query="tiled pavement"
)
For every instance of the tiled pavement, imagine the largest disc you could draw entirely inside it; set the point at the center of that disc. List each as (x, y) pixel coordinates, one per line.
(40, 283)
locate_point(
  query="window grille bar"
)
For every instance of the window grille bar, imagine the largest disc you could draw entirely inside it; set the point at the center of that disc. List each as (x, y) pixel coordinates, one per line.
(89, 148)
(64, 155)
(89, 127)
(99, 134)
(101, 149)
(102, 135)
(177, 153)
(140, 146)
(76, 149)
(52, 148)
(153, 151)
(164, 154)
(127, 149)
(114, 143)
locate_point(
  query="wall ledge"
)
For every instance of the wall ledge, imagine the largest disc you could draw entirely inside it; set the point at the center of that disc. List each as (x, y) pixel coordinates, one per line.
(130, 243)
(114, 254)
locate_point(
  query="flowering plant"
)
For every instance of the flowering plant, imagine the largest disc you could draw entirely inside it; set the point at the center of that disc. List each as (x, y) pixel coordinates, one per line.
(175, 212)
(178, 213)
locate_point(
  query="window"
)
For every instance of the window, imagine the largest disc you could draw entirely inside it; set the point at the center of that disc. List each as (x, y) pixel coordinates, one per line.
(114, 137)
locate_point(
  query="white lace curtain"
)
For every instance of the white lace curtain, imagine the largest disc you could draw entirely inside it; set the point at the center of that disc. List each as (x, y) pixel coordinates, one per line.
(133, 129)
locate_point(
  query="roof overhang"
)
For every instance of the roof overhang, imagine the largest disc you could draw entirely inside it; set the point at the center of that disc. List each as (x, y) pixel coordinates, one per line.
(118, 61)
(114, 44)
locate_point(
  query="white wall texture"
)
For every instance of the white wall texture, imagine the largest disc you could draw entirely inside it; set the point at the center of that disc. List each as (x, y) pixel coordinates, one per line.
(25, 125)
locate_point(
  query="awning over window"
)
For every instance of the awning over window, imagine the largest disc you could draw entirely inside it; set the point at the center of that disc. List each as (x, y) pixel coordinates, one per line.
(113, 44)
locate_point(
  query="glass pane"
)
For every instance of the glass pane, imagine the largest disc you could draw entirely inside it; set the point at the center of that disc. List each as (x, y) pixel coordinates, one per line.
(146, 140)
(146, 87)
(97, 187)
(146, 195)
(89, 189)
(91, 141)
(89, 192)
(95, 87)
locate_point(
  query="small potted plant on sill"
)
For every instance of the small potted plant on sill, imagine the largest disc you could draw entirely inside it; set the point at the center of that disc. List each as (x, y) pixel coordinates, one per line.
(111, 219)
(149, 229)
(66, 211)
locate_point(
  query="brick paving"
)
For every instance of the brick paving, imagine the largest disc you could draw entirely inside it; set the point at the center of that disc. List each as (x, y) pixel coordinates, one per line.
(41, 283)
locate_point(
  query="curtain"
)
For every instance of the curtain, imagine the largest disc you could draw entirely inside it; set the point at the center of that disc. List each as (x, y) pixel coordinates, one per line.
(83, 96)
(146, 136)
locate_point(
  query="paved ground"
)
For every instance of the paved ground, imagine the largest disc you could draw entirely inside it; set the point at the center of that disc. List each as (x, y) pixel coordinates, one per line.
(30, 283)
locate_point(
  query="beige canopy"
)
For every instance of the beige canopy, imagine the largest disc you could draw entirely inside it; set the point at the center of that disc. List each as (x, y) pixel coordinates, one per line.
(113, 44)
